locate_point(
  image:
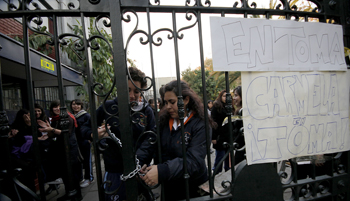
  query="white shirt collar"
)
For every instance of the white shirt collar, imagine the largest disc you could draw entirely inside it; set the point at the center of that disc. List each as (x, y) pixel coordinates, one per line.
(177, 125)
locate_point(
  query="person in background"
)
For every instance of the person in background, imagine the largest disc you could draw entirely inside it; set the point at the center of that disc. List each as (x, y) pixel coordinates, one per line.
(210, 106)
(44, 150)
(21, 140)
(112, 156)
(219, 113)
(170, 172)
(58, 151)
(77, 107)
(238, 124)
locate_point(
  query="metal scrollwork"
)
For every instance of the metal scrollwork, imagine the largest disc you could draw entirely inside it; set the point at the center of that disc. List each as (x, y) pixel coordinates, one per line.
(189, 18)
(94, 1)
(4, 127)
(38, 20)
(180, 106)
(159, 39)
(64, 123)
(156, 2)
(78, 44)
(282, 173)
(36, 6)
(253, 5)
(12, 7)
(135, 30)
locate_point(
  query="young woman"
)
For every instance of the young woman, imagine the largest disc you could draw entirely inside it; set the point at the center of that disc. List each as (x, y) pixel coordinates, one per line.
(237, 100)
(77, 107)
(170, 172)
(219, 113)
(21, 140)
(238, 124)
(44, 150)
(210, 107)
(58, 152)
(112, 155)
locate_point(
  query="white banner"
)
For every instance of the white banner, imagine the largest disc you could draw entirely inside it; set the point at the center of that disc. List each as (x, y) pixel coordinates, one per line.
(290, 114)
(240, 44)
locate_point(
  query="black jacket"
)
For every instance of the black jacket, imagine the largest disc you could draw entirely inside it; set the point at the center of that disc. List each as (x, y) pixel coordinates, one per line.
(81, 120)
(218, 117)
(112, 155)
(57, 148)
(170, 171)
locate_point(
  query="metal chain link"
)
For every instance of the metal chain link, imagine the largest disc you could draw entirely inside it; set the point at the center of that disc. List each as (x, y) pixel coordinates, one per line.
(133, 173)
(116, 139)
(138, 166)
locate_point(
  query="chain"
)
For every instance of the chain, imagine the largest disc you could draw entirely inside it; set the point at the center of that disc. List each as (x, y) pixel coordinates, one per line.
(133, 173)
(138, 166)
(116, 139)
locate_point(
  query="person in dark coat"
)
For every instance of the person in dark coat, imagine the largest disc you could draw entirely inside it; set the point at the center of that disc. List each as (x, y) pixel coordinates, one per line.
(112, 156)
(219, 113)
(77, 107)
(170, 172)
(58, 152)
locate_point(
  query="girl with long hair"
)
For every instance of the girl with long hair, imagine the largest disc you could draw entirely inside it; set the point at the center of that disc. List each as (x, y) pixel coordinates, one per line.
(219, 113)
(169, 173)
(82, 116)
(58, 151)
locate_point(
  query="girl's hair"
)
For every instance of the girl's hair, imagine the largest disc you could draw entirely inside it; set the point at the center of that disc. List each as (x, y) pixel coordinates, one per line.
(218, 101)
(78, 102)
(137, 75)
(53, 104)
(43, 116)
(195, 104)
(239, 92)
(19, 121)
(151, 101)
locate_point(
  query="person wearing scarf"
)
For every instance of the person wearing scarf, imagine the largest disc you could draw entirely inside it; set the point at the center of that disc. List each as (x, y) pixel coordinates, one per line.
(77, 107)
(57, 150)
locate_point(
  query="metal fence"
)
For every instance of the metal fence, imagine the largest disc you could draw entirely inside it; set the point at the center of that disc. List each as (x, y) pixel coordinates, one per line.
(266, 181)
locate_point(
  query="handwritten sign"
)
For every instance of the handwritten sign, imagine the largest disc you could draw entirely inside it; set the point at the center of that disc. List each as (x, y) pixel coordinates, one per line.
(240, 44)
(291, 114)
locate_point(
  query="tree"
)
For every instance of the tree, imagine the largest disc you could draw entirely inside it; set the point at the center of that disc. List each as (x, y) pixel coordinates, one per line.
(38, 41)
(102, 58)
(194, 79)
(219, 76)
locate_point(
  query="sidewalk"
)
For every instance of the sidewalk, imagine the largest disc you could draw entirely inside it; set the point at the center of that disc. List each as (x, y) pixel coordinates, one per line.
(89, 193)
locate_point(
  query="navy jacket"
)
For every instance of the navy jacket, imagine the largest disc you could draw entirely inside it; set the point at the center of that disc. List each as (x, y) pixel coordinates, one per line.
(171, 170)
(112, 155)
(81, 120)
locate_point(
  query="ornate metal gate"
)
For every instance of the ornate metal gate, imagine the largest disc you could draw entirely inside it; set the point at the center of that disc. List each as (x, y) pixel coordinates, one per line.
(334, 185)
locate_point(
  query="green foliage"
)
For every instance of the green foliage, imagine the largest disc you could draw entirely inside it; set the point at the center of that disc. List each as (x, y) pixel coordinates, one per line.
(194, 79)
(38, 41)
(102, 59)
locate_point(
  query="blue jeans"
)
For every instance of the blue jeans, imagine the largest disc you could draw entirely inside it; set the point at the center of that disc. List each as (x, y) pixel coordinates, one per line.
(219, 154)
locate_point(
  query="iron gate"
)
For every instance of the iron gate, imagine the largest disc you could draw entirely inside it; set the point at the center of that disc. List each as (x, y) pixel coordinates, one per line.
(334, 185)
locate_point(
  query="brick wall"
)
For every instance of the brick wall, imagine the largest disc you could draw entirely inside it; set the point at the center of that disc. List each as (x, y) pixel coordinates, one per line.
(13, 28)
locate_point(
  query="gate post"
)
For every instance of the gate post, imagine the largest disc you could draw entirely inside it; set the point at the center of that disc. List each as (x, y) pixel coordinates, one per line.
(120, 72)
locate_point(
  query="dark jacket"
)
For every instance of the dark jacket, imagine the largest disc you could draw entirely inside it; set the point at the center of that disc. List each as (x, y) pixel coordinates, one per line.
(170, 171)
(218, 117)
(57, 148)
(81, 120)
(112, 155)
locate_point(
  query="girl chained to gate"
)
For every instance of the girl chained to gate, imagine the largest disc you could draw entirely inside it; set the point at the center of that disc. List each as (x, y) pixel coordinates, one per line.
(114, 184)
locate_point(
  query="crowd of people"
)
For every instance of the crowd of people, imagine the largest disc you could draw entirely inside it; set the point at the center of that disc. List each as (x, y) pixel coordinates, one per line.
(166, 170)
